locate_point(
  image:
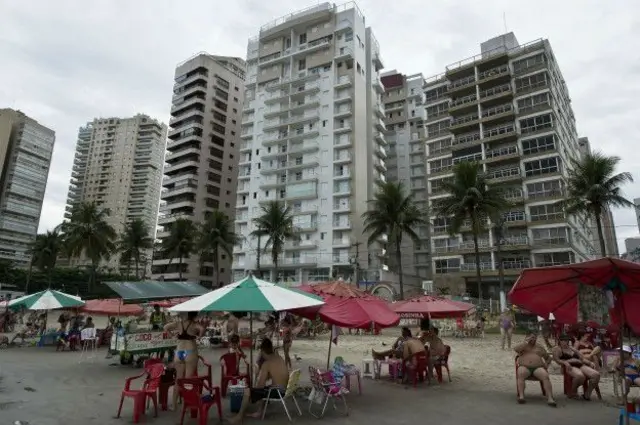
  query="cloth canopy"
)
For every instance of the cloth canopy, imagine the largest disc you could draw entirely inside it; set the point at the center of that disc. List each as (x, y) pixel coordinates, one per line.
(555, 290)
(46, 300)
(349, 307)
(149, 290)
(433, 307)
(112, 307)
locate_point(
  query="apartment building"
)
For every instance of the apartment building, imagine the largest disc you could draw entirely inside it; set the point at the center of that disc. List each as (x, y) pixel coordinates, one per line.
(201, 169)
(118, 165)
(404, 114)
(25, 158)
(509, 108)
(312, 137)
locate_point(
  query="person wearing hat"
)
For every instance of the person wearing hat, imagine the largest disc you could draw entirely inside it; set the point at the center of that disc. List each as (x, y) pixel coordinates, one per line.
(629, 368)
(533, 361)
(577, 366)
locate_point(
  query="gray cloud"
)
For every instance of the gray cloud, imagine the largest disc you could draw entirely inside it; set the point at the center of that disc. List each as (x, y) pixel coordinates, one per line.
(65, 63)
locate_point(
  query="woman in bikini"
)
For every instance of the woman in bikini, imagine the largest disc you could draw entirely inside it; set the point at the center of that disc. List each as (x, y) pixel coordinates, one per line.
(577, 366)
(587, 349)
(287, 339)
(629, 368)
(186, 360)
(533, 361)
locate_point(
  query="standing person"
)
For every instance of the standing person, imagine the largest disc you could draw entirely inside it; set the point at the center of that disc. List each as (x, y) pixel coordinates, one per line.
(507, 324)
(157, 318)
(186, 361)
(232, 325)
(287, 339)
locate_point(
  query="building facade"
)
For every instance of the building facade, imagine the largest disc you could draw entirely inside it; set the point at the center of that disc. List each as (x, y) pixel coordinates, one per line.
(404, 114)
(118, 165)
(26, 148)
(313, 138)
(201, 169)
(508, 108)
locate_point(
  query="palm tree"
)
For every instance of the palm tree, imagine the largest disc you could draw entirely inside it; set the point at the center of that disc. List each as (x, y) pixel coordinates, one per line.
(45, 250)
(472, 199)
(216, 234)
(133, 243)
(88, 232)
(593, 187)
(259, 234)
(276, 222)
(181, 241)
(394, 213)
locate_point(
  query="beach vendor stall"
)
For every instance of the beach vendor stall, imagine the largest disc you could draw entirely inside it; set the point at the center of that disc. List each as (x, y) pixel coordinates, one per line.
(133, 341)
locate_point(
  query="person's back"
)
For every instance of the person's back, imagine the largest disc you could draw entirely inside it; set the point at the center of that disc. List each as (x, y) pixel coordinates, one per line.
(277, 371)
(413, 346)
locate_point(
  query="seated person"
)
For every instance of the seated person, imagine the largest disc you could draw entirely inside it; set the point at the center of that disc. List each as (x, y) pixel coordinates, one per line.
(590, 351)
(437, 350)
(273, 369)
(577, 366)
(89, 324)
(397, 349)
(629, 368)
(26, 331)
(533, 361)
(234, 347)
(411, 347)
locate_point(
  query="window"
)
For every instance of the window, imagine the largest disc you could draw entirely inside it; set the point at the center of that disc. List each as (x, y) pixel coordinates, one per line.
(439, 146)
(529, 103)
(221, 93)
(553, 259)
(541, 122)
(524, 64)
(538, 145)
(302, 64)
(447, 266)
(550, 236)
(437, 185)
(435, 94)
(542, 166)
(531, 82)
(544, 189)
(438, 165)
(438, 128)
(303, 38)
(546, 212)
(440, 225)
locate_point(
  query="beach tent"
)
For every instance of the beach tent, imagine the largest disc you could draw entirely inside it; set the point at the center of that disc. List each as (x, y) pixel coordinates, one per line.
(111, 307)
(433, 307)
(153, 290)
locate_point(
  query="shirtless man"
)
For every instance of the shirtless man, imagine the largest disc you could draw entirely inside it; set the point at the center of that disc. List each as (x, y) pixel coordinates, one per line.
(436, 348)
(397, 348)
(275, 369)
(533, 360)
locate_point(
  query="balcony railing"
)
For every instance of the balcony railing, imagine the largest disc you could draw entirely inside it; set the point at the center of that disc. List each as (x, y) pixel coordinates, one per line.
(503, 173)
(504, 151)
(466, 138)
(494, 91)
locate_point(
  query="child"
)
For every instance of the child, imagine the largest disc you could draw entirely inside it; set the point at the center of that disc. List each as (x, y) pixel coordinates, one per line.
(629, 367)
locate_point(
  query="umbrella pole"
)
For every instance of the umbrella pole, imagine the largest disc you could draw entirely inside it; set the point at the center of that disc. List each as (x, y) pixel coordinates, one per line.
(330, 341)
(624, 393)
(251, 349)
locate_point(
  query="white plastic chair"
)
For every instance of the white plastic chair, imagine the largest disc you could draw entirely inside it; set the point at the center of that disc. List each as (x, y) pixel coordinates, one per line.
(275, 395)
(89, 342)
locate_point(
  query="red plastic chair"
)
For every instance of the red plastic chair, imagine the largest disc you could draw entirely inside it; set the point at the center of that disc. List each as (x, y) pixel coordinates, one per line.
(417, 372)
(530, 378)
(206, 377)
(443, 362)
(149, 390)
(568, 384)
(230, 371)
(190, 390)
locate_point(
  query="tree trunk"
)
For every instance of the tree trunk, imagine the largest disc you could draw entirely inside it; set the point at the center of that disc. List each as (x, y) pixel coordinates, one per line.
(49, 277)
(26, 285)
(476, 251)
(137, 264)
(128, 270)
(258, 253)
(399, 265)
(274, 257)
(216, 277)
(180, 268)
(603, 245)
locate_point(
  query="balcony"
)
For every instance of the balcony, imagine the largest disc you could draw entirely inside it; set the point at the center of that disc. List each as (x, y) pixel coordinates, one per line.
(494, 93)
(545, 243)
(465, 83)
(515, 242)
(503, 153)
(380, 125)
(180, 165)
(377, 84)
(498, 133)
(493, 74)
(311, 226)
(504, 174)
(464, 102)
(299, 245)
(169, 218)
(488, 269)
(341, 158)
(497, 113)
(466, 140)
(342, 128)
(548, 218)
(514, 218)
(379, 137)
(546, 195)
(514, 196)
(464, 123)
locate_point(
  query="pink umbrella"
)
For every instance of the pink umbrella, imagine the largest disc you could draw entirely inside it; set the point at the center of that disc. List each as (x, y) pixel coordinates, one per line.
(433, 307)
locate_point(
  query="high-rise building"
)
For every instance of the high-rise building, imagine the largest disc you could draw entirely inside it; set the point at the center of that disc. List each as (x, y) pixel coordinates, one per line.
(313, 138)
(25, 158)
(202, 160)
(118, 165)
(508, 108)
(404, 113)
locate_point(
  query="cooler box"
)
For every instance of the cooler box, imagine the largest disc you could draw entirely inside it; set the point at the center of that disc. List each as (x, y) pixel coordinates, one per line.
(235, 393)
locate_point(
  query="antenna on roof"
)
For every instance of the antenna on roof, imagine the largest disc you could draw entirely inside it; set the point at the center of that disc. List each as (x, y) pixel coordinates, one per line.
(504, 21)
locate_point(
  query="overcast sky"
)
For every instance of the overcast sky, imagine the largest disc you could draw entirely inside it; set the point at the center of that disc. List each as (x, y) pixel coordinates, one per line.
(65, 62)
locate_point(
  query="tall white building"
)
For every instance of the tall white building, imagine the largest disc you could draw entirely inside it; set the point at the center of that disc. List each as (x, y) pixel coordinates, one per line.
(313, 137)
(118, 164)
(25, 158)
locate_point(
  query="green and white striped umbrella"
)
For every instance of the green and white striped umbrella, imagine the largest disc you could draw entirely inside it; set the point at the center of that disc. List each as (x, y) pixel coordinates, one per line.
(251, 295)
(47, 300)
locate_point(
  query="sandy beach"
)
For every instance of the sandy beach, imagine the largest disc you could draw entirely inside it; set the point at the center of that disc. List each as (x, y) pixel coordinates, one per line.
(44, 387)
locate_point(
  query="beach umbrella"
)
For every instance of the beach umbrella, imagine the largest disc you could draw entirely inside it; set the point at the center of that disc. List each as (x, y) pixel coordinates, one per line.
(433, 307)
(47, 300)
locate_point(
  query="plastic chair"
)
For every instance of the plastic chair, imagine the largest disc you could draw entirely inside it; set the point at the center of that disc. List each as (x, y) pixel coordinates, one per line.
(190, 390)
(89, 343)
(149, 390)
(326, 388)
(568, 384)
(443, 362)
(530, 378)
(230, 371)
(275, 395)
(418, 371)
(207, 377)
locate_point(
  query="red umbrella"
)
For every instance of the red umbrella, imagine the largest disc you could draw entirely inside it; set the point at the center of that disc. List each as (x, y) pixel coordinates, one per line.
(170, 302)
(433, 307)
(349, 307)
(554, 289)
(111, 307)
